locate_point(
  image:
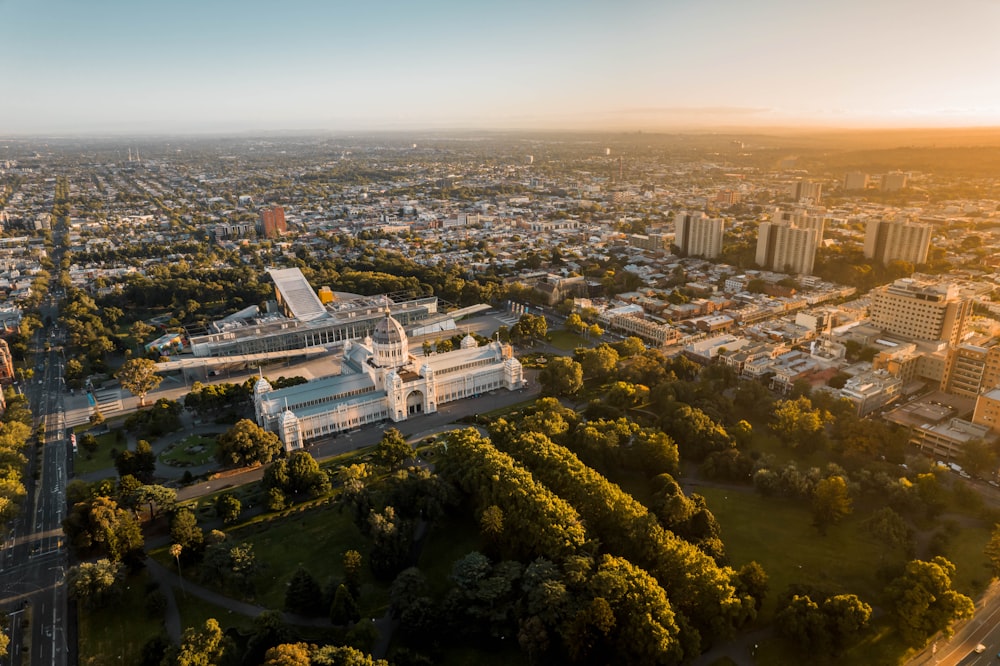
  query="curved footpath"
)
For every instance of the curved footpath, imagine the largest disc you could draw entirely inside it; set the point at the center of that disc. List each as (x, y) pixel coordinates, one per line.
(169, 580)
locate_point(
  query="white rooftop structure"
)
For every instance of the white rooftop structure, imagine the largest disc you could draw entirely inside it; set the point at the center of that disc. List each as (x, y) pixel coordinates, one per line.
(295, 293)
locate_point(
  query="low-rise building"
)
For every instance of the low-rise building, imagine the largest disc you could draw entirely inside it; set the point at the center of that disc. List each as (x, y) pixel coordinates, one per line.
(871, 391)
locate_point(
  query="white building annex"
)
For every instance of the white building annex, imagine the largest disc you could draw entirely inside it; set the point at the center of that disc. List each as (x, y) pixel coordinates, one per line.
(381, 381)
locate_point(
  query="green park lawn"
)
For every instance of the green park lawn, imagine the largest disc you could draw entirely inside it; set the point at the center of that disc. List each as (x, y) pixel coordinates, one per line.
(314, 538)
(85, 462)
(195, 611)
(567, 340)
(115, 634)
(190, 452)
(779, 534)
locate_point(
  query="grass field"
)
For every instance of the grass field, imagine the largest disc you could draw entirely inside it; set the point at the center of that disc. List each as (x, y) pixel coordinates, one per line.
(191, 451)
(314, 538)
(567, 340)
(780, 536)
(116, 634)
(195, 611)
(85, 462)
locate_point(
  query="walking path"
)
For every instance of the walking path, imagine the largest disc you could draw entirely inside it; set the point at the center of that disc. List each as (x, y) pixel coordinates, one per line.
(168, 580)
(171, 579)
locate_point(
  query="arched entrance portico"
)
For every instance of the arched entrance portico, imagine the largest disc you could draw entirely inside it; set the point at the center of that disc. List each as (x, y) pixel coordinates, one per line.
(415, 403)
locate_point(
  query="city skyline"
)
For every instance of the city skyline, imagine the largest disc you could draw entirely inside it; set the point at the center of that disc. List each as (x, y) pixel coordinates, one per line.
(111, 66)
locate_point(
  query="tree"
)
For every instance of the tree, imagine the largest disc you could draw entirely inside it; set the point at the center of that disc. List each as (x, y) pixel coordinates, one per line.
(139, 331)
(574, 323)
(158, 499)
(247, 444)
(751, 579)
(846, 616)
(203, 647)
(797, 422)
(351, 563)
(242, 565)
(175, 551)
(529, 328)
(184, 529)
(561, 376)
(891, 531)
(978, 458)
(139, 377)
(99, 523)
(630, 346)
(303, 594)
(343, 655)
(923, 601)
(95, 584)
(599, 362)
(803, 622)
(491, 523)
(992, 550)
(228, 507)
(344, 609)
(831, 502)
(288, 654)
(269, 631)
(392, 449)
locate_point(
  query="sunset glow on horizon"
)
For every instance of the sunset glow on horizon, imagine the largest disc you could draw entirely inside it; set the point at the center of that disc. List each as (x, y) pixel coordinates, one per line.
(115, 66)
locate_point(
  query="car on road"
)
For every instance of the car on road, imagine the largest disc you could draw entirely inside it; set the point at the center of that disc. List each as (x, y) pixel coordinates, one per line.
(980, 649)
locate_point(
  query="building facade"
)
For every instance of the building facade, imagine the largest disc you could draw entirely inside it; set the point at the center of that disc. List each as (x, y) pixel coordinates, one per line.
(785, 248)
(891, 240)
(698, 235)
(921, 310)
(987, 412)
(381, 381)
(272, 222)
(971, 369)
(6, 363)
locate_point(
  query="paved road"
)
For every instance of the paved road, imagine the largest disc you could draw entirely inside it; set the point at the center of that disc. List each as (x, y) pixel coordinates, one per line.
(422, 426)
(34, 557)
(984, 628)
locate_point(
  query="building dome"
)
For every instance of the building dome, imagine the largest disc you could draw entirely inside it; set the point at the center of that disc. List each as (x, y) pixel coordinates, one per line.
(390, 345)
(469, 342)
(388, 332)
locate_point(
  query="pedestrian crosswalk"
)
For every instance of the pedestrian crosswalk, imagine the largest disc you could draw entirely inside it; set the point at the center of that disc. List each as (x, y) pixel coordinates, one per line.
(508, 318)
(107, 401)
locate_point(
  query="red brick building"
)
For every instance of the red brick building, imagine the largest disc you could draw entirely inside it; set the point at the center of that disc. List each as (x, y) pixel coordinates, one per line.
(272, 222)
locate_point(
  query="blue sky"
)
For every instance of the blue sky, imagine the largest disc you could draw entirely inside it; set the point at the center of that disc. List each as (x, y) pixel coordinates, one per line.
(217, 66)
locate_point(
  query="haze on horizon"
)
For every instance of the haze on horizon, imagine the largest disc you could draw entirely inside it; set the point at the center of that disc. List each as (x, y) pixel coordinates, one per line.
(113, 66)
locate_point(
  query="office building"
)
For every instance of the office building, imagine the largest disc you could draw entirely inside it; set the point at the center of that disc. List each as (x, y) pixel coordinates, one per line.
(891, 240)
(803, 189)
(785, 248)
(893, 182)
(987, 412)
(921, 310)
(272, 222)
(802, 218)
(698, 235)
(971, 369)
(855, 180)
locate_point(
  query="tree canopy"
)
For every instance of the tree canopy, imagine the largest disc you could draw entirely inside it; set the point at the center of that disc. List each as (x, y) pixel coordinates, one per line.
(246, 444)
